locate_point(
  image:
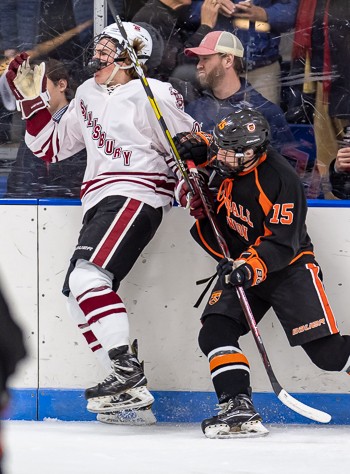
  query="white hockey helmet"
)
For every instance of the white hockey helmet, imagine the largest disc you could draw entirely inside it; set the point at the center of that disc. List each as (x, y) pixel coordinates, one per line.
(133, 32)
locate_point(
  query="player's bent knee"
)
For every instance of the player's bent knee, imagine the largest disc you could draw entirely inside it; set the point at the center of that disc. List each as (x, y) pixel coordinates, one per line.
(74, 310)
(218, 331)
(86, 276)
(329, 353)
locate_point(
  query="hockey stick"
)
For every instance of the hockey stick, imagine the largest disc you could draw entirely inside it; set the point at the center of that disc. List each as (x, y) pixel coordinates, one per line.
(197, 184)
(281, 393)
(150, 96)
(47, 46)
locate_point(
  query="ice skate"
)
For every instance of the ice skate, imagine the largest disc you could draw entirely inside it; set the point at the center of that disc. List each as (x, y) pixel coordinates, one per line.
(140, 417)
(236, 419)
(124, 388)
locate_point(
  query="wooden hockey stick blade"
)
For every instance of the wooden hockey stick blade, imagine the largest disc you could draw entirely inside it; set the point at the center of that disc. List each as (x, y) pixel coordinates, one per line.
(302, 409)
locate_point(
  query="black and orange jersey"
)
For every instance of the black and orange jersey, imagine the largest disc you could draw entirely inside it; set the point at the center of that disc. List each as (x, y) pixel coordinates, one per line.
(261, 213)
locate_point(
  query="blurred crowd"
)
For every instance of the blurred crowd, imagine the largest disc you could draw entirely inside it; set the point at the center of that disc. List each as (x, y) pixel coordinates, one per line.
(289, 62)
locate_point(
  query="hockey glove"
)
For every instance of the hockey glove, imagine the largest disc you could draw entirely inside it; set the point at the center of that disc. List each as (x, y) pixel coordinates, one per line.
(193, 146)
(186, 200)
(28, 85)
(249, 270)
(235, 272)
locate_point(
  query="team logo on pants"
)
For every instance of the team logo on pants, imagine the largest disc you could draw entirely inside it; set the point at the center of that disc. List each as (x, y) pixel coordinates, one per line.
(215, 296)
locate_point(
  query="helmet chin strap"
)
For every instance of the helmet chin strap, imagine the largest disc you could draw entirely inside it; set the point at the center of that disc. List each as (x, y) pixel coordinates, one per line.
(114, 72)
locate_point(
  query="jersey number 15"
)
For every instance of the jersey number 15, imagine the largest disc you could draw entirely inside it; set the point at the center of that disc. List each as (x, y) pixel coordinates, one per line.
(282, 214)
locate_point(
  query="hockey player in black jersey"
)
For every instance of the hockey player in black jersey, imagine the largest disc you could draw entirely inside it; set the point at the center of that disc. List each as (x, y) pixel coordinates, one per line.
(261, 209)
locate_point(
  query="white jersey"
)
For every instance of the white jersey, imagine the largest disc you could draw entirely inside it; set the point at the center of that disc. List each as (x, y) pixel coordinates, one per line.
(127, 152)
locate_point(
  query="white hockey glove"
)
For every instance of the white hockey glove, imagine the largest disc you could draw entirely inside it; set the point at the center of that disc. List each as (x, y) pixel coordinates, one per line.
(28, 85)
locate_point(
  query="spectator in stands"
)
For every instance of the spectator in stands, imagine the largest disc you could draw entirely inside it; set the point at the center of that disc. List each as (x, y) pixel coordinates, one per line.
(32, 177)
(53, 23)
(220, 57)
(12, 350)
(259, 25)
(126, 9)
(26, 24)
(18, 30)
(5, 124)
(322, 35)
(339, 174)
(165, 16)
(19, 25)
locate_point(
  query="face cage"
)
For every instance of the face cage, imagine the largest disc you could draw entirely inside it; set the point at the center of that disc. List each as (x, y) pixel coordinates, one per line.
(94, 65)
(225, 170)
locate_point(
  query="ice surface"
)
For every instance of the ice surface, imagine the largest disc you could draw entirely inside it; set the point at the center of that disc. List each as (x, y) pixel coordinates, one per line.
(56, 447)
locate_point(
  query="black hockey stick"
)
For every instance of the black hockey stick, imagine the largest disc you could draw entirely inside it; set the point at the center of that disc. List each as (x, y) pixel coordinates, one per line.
(197, 184)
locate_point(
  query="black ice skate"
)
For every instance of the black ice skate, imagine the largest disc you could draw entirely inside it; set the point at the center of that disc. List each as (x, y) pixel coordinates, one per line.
(124, 388)
(237, 418)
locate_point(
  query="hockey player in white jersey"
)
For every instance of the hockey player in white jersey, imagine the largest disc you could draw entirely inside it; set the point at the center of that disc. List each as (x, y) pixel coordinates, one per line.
(128, 185)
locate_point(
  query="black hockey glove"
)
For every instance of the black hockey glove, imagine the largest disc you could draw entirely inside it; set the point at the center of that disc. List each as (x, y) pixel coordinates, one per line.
(235, 272)
(193, 146)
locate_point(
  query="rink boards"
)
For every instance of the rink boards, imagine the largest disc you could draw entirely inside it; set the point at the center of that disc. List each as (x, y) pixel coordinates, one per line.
(37, 239)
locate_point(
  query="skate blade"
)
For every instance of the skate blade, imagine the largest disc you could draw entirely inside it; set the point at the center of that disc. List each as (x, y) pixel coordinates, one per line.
(250, 429)
(139, 397)
(141, 417)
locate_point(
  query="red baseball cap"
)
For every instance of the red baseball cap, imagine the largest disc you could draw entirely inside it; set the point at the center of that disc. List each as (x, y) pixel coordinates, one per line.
(217, 42)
